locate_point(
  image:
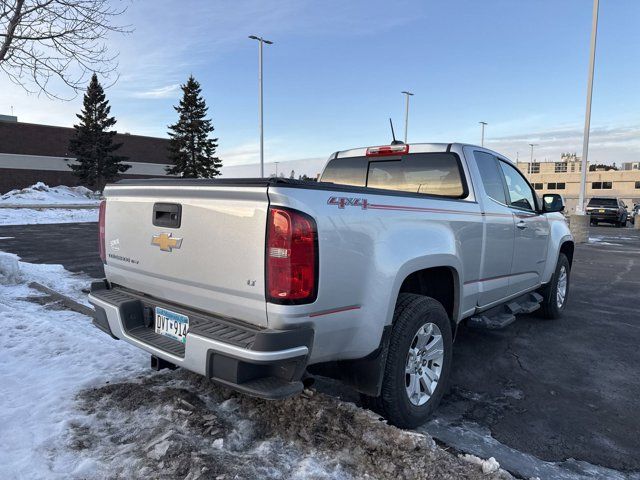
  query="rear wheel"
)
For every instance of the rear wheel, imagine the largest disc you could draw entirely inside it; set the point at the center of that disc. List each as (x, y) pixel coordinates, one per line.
(418, 362)
(556, 293)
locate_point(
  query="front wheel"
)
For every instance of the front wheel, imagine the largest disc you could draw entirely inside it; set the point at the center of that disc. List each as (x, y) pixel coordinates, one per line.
(418, 362)
(556, 292)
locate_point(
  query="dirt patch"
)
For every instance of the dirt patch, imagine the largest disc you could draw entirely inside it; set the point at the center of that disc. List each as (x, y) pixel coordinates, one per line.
(181, 425)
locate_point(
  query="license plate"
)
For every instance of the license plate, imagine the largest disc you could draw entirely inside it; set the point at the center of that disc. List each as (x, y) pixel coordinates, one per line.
(600, 211)
(171, 324)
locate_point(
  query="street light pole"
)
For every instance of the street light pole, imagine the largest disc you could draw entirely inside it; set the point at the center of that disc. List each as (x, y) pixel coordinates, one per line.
(482, 141)
(260, 42)
(276, 169)
(587, 119)
(531, 161)
(406, 114)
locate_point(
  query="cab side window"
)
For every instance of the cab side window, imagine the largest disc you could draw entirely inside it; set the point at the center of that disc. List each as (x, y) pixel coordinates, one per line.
(491, 176)
(520, 193)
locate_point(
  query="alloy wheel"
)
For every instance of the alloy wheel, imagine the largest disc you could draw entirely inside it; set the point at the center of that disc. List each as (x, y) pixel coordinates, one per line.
(424, 364)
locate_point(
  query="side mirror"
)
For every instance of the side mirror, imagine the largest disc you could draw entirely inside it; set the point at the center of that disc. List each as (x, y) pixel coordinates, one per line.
(552, 202)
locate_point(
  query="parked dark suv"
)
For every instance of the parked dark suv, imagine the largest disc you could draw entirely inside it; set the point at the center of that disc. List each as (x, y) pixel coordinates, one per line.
(607, 210)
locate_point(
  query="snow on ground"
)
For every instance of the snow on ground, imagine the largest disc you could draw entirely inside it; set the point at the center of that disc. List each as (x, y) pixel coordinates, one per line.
(47, 356)
(41, 193)
(28, 216)
(75, 403)
(602, 241)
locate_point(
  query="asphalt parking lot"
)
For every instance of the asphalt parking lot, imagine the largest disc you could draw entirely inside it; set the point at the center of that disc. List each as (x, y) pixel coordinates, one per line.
(568, 388)
(554, 389)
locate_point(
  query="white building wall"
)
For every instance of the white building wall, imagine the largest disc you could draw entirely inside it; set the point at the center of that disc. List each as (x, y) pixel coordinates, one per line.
(61, 164)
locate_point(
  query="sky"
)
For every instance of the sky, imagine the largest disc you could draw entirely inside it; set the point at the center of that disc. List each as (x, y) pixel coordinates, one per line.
(335, 73)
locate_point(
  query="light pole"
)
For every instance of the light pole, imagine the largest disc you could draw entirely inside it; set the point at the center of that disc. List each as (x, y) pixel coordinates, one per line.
(260, 42)
(483, 124)
(406, 114)
(276, 169)
(531, 161)
(587, 118)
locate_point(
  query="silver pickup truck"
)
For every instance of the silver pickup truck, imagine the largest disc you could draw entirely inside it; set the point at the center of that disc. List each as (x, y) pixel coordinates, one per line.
(363, 276)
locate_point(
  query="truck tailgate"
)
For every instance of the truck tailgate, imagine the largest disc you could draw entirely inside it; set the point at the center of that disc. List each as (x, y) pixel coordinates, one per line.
(212, 261)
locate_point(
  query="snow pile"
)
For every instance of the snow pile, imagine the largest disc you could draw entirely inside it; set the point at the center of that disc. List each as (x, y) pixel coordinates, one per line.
(29, 216)
(9, 268)
(179, 425)
(41, 193)
(487, 466)
(46, 202)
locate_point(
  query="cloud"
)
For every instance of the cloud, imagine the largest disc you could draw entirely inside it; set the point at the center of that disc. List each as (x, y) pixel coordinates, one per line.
(246, 153)
(168, 91)
(307, 166)
(606, 144)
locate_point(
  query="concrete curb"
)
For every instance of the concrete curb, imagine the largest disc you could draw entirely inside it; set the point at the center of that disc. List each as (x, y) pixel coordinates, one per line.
(66, 301)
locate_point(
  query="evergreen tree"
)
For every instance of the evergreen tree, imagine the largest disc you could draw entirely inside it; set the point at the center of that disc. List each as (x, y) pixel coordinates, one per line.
(92, 144)
(190, 148)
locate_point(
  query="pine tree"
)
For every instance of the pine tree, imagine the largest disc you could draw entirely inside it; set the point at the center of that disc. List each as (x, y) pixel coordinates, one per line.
(93, 146)
(190, 148)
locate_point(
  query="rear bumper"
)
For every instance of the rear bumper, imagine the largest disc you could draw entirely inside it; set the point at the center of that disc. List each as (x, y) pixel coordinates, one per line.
(260, 362)
(604, 217)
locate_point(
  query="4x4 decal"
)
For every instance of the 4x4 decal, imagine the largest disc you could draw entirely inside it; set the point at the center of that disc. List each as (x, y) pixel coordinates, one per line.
(342, 202)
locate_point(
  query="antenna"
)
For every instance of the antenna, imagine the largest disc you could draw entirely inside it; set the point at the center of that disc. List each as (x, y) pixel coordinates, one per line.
(393, 134)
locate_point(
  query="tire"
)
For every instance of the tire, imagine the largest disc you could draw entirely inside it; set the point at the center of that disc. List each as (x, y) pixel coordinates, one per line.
(551, 307)
(412, 314)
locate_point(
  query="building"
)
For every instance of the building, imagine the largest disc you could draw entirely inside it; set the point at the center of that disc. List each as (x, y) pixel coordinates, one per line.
(631, 166)
(563, 177)
(31, 153)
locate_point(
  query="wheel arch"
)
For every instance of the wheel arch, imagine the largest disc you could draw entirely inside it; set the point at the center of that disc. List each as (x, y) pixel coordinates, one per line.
(568, 247)
(560, 241)
(365, 374)
(438, 282)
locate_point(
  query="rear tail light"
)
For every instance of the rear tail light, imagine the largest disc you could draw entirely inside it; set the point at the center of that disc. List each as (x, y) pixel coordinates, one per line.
(101, 245)
(292, 257)
(387, 150)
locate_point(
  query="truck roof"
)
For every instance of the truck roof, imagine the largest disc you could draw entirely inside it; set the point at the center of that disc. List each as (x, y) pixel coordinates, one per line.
(418, 148)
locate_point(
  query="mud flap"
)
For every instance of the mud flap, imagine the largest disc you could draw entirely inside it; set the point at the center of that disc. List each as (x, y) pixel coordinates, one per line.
(364, 374)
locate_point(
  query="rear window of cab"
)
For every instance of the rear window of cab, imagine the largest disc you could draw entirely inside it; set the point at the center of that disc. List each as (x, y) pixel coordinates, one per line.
(603, 202)
(422, 173)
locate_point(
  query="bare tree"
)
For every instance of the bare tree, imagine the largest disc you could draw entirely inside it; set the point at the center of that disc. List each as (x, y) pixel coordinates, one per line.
(45, 44)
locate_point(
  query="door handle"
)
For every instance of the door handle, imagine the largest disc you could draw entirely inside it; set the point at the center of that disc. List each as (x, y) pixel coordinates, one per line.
(521, 225)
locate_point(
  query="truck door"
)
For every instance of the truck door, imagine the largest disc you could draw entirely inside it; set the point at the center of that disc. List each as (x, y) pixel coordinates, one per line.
(532, 231)
(499, 233)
